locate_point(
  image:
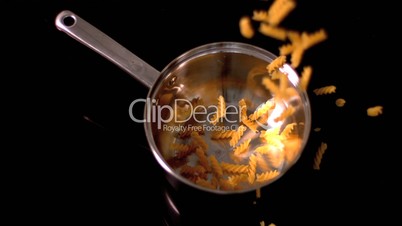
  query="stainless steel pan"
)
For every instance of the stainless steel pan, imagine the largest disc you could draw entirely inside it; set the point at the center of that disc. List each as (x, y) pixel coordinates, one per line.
(183, 135)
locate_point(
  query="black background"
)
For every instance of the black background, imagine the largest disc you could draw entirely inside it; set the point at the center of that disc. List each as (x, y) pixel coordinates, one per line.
(60, 167)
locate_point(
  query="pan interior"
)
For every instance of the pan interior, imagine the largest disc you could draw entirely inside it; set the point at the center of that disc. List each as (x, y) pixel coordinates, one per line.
(201, 151)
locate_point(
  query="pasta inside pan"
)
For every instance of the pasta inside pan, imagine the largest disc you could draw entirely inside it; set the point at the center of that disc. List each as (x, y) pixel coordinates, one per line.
(221, 121)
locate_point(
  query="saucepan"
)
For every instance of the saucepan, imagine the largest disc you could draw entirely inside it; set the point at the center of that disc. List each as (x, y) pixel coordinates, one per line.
(224, 117)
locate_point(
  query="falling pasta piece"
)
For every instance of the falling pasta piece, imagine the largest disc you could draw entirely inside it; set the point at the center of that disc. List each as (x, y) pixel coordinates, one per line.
(374, 111)
(325, 90)
(236, 136)
(309, 40)
(296, 57)
(305, 77)
(252, 168)
(318, 129)
(258, 193)
(243, 147)
(202, 159)
(272, 31)
(220, 110)
(319, 154)
(234, 168)
(279, 10)
(340, 102)
(266, 176)
(216, 167)
(276, 64)
(246, 28)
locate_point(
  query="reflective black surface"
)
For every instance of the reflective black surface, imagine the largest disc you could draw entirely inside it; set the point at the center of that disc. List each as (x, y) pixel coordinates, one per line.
(73, 155)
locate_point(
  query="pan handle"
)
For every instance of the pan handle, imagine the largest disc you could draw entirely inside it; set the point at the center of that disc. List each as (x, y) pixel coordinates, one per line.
(98, 41)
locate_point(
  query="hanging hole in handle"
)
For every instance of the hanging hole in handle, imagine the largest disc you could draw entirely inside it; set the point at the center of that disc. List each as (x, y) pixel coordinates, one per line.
(69, 21)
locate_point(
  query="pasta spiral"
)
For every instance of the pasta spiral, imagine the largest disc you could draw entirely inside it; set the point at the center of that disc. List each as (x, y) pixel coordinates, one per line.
(266, 176)
(243, 147)
(276, 64)
(220, 111)
(252, 168)
(325, 90)
(319, 154)
(234, 168)
(264, 108)
(279, 10)
(222, 134)
(374, 111)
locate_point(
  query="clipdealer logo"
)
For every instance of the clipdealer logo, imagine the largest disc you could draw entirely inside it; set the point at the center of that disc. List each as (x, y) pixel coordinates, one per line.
(195, 118)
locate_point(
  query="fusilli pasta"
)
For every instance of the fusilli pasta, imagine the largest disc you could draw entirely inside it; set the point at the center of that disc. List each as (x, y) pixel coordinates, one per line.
(279, 10)
(263, 109)
(308, 40)
(246, 28)
(216, 167)
(276, 64)
(305, 77)
(252, 168)
(243, 147)
(272, 31)
(325, 90)
(374, 111)
(220, 111)
(234, 168)
(236, 136)
(319, 154)
(266, 176)
(340, 102)
(202, 159)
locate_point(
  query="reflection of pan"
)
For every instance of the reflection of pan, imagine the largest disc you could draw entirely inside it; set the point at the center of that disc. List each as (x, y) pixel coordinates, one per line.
(198, 113)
